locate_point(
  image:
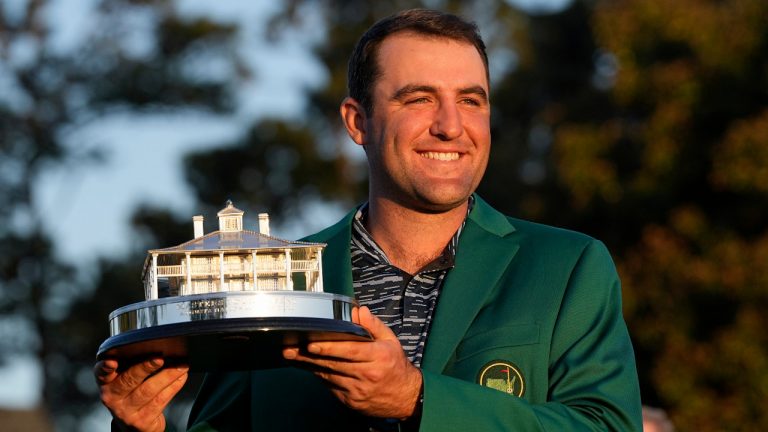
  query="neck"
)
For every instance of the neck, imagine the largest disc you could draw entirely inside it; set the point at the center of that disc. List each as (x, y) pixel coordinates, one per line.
(411, 238)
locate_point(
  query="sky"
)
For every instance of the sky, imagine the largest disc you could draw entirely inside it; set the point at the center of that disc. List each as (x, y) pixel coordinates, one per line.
(86, 206)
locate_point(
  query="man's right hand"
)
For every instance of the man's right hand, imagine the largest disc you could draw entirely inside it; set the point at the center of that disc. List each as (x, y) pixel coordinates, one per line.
(137, 396)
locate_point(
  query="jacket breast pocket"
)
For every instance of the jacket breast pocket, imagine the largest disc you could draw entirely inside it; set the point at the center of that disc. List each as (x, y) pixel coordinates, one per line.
(508, 358)
(517, 335)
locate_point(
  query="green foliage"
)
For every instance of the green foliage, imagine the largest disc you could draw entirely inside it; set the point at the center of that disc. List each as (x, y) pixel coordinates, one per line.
(688, 105)
(45, 308)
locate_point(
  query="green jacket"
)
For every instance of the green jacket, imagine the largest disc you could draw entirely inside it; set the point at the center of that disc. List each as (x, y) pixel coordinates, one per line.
(533, 312)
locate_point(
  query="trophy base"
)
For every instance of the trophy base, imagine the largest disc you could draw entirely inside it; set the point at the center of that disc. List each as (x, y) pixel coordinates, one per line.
(228, 331)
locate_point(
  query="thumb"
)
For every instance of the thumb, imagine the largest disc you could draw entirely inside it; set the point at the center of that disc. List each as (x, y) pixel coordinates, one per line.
(374, 325)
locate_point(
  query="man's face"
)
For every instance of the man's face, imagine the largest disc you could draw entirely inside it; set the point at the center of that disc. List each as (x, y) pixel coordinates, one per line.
(428, 138)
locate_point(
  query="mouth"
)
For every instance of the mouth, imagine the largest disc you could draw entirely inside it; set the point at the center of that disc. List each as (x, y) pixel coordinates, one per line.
(441, 156)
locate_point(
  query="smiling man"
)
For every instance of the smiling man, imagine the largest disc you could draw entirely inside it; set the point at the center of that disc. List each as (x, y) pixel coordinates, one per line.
(480, 321)
(427, 133)
(427, 138)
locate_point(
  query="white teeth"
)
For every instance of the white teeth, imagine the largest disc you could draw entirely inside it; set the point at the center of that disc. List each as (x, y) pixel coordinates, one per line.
(450, 156)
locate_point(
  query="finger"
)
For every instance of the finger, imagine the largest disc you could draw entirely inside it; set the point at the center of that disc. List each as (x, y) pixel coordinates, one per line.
(325, 364)
(163, 396)
(338, 382)
(346, 351)
(145, 421)
(144, 406)
(374, 325)
(158, 424)
(129, 380)
(105, 371)
(149, 391)
(290, 353)
(355, 351)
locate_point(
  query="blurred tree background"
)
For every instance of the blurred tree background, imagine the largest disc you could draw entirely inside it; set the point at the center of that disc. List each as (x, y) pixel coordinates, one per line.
(44, 308)
(641, 122)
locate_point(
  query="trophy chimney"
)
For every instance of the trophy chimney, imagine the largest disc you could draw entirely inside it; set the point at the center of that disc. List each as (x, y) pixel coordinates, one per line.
(197, 221)
(264, 223)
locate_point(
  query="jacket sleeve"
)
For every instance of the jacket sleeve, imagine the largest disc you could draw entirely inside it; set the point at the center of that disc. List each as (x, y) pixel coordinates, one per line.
(593, 382)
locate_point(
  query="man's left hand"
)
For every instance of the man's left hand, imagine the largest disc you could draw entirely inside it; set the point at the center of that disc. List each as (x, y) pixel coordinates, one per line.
(374, 378)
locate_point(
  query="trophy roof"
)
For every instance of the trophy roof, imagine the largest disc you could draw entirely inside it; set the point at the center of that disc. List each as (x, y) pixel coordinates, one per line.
(230, 209)
(238, 240)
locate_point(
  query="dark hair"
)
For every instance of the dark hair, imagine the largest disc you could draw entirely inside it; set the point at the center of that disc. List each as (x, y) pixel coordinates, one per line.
(363, 68)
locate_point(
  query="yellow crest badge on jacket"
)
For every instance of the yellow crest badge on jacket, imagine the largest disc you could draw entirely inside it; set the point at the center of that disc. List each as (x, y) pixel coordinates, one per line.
(503, 376)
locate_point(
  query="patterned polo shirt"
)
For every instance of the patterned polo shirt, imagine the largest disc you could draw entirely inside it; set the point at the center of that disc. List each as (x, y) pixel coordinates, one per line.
(405, 302)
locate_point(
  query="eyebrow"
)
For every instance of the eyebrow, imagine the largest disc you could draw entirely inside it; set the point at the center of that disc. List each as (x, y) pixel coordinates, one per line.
(475, 90)
(410, 89)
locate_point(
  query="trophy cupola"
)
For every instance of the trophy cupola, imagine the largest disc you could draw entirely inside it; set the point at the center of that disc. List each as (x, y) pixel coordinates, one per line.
(230, 218)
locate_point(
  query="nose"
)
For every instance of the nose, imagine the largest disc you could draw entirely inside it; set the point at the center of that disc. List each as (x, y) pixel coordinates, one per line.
(446, 124)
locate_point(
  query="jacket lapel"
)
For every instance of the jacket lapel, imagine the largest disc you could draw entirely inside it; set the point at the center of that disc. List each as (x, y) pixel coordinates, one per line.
(337, 262)
(485, 250)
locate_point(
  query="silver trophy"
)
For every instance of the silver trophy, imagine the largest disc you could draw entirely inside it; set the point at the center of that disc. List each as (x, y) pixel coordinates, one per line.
(230, 300)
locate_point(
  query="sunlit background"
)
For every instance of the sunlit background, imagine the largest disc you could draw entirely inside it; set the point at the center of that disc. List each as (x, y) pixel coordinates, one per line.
(643, 123)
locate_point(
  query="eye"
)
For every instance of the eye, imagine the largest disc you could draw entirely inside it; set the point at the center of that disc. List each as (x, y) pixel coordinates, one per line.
(470, 101)
(418, 100)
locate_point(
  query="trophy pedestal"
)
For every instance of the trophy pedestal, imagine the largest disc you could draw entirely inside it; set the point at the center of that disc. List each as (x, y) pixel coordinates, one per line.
(228, 330)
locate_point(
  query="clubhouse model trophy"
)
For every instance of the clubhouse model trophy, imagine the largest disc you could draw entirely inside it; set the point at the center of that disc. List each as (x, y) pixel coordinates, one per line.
(229, 300)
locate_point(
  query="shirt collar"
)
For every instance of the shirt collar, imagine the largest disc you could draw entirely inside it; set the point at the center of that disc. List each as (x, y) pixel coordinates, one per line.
(362, 239)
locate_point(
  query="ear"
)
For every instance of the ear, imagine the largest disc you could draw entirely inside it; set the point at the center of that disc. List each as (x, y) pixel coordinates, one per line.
(353, 116)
